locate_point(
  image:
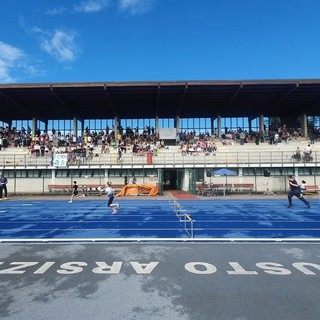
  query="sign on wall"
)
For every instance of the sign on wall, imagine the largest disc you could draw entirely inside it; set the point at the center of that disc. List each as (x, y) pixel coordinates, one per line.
(60, 160)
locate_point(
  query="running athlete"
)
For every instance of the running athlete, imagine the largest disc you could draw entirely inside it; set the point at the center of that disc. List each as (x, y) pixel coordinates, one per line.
(295, 190)
(110, 194)
(75, 192)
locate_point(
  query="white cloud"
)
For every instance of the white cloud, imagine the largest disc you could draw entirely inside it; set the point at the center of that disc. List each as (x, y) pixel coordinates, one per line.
(11, 60)
(136, 7)
(90, 6)
(15, 65)
(59, 44)
(55, 11)
(86, 6)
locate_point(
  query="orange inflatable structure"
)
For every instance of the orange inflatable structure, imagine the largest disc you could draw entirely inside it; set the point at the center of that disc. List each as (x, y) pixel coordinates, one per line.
(138, 189)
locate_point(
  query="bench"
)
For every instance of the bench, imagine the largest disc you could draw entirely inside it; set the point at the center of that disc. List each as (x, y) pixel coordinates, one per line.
(93, 189)
(240, 187)
(88, 189)
(221, 187)
(61, 187)
(99, 188)
(311, 189)
(203, 190)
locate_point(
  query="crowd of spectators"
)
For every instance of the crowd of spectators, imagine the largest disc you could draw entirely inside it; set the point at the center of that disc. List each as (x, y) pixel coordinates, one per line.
(81, 148)
(193, 144)
(272, 135)
(139, 142)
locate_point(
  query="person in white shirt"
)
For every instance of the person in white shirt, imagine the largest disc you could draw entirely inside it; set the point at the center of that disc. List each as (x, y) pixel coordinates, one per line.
(302, 187)
(308, 149)
(307, 153)
(110, 195)
(276, 138)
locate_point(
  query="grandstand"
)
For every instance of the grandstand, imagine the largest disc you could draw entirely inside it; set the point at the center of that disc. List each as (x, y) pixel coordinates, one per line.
(248, 161)
(162, 157)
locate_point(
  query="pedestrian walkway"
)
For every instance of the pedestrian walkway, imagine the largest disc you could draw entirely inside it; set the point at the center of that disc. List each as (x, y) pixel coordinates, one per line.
(183, 195)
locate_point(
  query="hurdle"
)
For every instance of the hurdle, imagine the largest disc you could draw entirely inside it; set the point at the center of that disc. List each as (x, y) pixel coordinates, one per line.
(188, 219)
(178, 210)
(184, 217)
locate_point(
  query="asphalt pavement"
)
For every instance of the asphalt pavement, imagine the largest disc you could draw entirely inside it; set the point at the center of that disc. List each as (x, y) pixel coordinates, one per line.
(160, 280)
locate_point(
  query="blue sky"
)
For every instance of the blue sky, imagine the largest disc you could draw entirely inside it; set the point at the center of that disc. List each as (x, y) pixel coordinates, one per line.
(158, 40)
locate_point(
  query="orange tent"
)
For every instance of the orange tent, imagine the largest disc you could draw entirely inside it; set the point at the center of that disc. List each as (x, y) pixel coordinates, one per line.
(137, 189)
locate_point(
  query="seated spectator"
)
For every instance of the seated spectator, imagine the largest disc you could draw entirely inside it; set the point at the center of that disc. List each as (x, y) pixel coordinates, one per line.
(297, 154)
(119, 154)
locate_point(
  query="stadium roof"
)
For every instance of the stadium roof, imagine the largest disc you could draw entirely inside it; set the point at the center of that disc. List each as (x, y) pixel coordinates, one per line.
(165, 99)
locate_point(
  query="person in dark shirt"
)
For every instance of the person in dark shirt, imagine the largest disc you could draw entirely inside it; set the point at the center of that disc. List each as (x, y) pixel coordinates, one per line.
(3, 186)
(75, 192)
(295, 190)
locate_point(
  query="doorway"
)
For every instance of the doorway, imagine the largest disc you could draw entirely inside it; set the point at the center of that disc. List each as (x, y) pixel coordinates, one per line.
(169, 179)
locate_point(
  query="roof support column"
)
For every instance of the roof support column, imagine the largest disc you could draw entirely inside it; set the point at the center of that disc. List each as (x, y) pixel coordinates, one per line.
(304, 125)
(157, 125)
(250, 124)
(45, 126)
(75, 126)
(34, 125)
(177, 126)
(261, 123)
(211, 124)
(115, 127)
(82, 127)
(219, 126)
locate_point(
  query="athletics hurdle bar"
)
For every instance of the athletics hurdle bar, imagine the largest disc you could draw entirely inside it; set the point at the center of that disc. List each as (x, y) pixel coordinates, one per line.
(187, 218)
(184, 217)
(177, 208)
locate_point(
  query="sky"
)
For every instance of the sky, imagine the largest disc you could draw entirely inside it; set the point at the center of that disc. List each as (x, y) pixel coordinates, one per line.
(158, 40)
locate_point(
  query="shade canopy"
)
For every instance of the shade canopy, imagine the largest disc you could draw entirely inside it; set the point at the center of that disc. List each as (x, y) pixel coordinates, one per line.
(225, 172)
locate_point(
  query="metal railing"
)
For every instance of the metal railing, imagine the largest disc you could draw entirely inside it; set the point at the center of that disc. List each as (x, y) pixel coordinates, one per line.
(250, 158)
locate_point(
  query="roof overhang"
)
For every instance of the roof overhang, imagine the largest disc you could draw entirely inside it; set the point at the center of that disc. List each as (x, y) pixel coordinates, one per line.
(165, 99)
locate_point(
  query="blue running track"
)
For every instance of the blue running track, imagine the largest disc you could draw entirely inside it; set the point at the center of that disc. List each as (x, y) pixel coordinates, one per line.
(24, 220)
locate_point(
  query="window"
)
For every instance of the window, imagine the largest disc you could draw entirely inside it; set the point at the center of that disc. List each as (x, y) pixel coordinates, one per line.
(306, 171)
(273, 171)
(62, 173)
(199, 175)
(8, 174)
(199, 125)
(21, 174)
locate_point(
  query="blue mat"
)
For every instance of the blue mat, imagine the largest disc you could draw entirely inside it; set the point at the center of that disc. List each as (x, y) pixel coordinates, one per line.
(92, 219)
